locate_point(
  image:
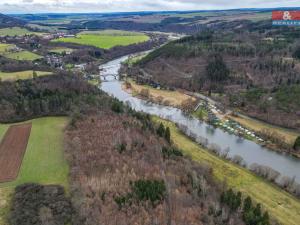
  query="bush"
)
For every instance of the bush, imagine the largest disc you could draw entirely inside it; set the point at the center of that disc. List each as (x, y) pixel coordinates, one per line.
(297, 144)
(117, 107)
(169, 152)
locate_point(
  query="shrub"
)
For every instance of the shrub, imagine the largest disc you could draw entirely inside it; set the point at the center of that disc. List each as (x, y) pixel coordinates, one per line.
(169, 152)
(117, 107)
(297, 144)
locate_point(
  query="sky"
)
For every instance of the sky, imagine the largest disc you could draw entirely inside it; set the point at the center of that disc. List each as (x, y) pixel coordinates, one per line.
(84, 6)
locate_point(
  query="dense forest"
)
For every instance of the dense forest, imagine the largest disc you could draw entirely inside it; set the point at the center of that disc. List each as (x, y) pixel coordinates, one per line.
(60, 94)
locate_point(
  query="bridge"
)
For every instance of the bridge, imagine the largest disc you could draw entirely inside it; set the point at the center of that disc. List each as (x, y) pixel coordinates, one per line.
(104, 76)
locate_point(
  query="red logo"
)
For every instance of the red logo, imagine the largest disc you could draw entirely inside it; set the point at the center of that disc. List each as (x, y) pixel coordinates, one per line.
(286, 15)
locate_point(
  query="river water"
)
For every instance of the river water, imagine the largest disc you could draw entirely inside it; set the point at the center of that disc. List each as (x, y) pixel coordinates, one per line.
(250, 151)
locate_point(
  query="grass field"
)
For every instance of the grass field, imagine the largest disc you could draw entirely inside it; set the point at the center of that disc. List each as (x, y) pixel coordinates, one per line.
(60, 50)
(256, 125)
(43, 162)
(16, 31)
(106, 39)
(21, 75)
(174, 98)
(5, 50)
(281, 205)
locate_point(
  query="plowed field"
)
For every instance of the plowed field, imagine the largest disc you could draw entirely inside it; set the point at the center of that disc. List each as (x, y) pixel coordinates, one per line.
(12, 149)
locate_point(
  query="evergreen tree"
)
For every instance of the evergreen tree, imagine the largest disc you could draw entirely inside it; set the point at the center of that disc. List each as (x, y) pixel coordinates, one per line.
(168, 135)
(247, 204)
(265, 219)
(161, 130)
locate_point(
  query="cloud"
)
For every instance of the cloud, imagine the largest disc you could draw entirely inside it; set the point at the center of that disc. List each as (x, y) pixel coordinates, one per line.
(39, 6)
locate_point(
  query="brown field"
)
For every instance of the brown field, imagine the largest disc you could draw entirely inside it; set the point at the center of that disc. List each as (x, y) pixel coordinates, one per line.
(12, 149)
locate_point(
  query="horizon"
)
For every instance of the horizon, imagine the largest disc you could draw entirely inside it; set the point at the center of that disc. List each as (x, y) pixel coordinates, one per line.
(123, 6)
(157, 11)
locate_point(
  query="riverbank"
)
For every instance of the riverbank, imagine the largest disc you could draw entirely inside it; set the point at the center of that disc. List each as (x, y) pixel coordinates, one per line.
(275, 138)
(162, 97)
(282, 206)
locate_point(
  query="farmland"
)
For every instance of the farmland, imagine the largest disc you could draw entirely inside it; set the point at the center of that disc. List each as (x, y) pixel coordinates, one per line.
(106, 39)
(21, 75)
(16, 31)
(43, 161)
(12, 151)
(7, 50)
(282, 206)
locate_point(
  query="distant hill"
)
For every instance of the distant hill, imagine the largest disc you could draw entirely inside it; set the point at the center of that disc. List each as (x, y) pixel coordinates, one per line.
(7, 21)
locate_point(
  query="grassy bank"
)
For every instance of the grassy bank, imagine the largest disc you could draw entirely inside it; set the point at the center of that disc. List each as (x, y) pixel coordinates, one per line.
(21, 75)
(106, 39)
(165, 97)
(43, 162)
(256, 125)
(281, 205)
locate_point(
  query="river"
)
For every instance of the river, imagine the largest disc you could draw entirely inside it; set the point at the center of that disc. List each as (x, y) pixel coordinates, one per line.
(250, 151)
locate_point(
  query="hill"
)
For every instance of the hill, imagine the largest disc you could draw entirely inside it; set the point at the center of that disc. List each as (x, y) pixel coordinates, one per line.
(253, 67)
(7, 21)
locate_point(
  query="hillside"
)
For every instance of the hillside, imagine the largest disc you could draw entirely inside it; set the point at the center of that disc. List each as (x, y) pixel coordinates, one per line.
(7, 21)
(253, 69)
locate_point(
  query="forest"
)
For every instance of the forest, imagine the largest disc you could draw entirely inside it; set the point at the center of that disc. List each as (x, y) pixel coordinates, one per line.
(231, 65)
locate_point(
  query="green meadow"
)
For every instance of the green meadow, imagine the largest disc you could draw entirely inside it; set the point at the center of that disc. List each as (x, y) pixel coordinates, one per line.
(7, 51)
(43, 162)
(106, 39)
(28, 74)
(60, 50)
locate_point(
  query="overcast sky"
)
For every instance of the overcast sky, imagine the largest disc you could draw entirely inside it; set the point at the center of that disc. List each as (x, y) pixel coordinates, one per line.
(39, 6)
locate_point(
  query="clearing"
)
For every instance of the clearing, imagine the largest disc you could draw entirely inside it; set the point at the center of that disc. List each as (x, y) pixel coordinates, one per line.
(12, 149)
(106, 39)
(165, 97)
(13, 52)
(28, 74)
(281, 205)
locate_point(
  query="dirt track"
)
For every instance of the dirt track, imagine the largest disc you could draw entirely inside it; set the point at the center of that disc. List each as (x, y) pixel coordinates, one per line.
(12, 149)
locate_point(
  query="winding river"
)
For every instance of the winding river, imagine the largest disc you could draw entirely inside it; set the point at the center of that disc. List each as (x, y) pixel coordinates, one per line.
(250, 151)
